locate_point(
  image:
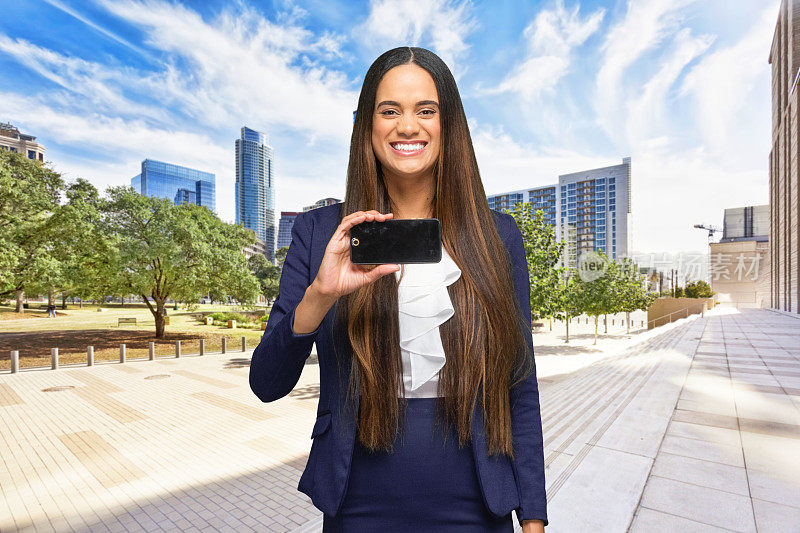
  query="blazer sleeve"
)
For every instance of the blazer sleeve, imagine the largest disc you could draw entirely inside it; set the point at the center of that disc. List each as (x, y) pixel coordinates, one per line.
(278, 360)
(526, 420)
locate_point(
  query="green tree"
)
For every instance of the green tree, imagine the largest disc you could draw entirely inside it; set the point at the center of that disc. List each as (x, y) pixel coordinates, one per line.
(699, 289)
(543, 253)
(568, 298)
(84, 252)
(596, 296)
(267, 274)
(181, 252)
(632, 292)
(29, 194)
(280, 255)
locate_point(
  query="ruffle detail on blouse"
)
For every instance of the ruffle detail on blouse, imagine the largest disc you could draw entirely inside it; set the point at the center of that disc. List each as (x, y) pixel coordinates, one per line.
(424, 305)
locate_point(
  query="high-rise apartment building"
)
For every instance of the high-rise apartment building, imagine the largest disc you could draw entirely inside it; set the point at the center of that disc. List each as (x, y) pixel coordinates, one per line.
(11, 139)
(255, 186)
(590, 210)
(784, 191)
(176, 183)
(321, 203)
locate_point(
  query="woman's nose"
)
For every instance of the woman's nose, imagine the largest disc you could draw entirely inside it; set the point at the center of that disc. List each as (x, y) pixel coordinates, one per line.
(407, 125)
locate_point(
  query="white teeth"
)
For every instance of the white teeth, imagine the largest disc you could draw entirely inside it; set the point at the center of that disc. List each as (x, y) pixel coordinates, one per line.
(409, 147)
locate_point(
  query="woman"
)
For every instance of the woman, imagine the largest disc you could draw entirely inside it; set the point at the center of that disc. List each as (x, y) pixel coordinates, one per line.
(411, 365)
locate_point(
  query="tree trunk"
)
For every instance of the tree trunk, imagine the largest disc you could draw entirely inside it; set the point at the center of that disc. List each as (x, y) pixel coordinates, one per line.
(551, 323)
(51, 297)
(605, 323)
(596, 317)
(20, 297)
(567, 322)
(628, 320)
(63, 300)
(159, 315)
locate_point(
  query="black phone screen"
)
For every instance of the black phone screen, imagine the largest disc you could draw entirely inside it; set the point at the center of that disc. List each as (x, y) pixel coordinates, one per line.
(404, 240)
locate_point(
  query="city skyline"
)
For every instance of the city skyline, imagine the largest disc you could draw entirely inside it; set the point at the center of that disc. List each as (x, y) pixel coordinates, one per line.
(683, 88)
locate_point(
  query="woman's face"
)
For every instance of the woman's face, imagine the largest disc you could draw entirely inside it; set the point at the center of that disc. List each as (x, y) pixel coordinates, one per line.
(406, 133)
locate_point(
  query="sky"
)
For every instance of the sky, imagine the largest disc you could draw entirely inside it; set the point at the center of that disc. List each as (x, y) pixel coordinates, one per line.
(552, 87)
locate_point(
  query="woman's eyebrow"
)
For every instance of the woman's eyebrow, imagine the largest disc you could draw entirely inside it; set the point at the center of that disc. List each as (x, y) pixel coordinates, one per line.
(421, 102)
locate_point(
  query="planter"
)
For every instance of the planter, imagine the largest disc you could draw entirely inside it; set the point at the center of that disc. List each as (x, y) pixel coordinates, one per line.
(263, 326)
(208, 320)
(232, 324)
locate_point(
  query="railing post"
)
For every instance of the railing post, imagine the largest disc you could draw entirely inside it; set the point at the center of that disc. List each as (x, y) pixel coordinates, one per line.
(14, 361)
(177, 348)
(202, 346)
(122, 351)
(152, 354)
(54, 358)
(89, 355)
(244, 344)
(224, 344)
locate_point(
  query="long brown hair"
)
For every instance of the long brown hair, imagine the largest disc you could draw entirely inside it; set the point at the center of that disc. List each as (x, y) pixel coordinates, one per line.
(484, 341)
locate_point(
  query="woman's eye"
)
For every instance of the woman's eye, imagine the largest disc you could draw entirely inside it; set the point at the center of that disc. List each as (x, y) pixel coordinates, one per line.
(387, 111)
(430, 111)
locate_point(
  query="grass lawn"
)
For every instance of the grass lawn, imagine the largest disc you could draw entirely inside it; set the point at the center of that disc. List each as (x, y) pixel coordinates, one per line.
(73, 329)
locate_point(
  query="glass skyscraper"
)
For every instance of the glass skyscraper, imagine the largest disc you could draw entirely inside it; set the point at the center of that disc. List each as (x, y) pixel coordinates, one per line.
(176, 183)
(255, 187)
(591, 209)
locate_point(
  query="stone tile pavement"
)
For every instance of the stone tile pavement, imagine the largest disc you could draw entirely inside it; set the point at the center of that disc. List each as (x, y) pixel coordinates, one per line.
(691, 426)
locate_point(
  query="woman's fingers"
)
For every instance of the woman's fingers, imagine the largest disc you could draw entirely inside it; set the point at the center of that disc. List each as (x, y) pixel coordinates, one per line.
(357, 217)
(381, 270)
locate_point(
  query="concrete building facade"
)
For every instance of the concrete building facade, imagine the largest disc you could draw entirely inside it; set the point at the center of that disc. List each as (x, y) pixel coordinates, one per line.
(13, 140)
(784, 196)
(739, 266)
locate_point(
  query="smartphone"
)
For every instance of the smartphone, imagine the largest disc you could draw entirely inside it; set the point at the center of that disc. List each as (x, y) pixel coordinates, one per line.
(404, 240)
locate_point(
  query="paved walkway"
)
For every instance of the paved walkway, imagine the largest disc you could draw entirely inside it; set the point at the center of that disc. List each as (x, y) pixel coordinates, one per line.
(691, 426)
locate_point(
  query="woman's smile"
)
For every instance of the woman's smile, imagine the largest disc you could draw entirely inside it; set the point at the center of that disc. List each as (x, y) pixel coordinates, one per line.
(410, 148)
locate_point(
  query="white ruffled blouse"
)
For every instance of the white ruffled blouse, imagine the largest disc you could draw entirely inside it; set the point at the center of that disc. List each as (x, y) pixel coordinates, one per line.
(424, 304)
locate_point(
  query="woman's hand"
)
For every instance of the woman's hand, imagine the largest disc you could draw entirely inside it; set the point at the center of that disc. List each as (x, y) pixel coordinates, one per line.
(337, 276)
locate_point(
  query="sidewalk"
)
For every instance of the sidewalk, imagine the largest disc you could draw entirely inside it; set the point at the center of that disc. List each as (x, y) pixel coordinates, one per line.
(690, 426)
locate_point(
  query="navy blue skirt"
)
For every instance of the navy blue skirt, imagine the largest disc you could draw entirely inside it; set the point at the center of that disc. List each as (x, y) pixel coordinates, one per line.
(426, 484)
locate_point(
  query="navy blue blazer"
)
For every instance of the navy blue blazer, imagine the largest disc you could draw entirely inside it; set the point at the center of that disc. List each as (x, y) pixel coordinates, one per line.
(279, 358)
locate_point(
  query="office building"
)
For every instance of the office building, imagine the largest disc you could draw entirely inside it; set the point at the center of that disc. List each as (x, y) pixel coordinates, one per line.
(590, 210)
(11, 139)
(285, 226)
(739, 263)
(784, 192)
(288, 217)
(176, 183)
(255, 186)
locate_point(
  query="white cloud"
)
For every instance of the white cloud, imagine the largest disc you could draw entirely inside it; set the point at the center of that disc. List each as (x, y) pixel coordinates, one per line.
(551, 38)
(241, 67)
(724, 83)
(648, 115)
(646, 24)
(445, 24)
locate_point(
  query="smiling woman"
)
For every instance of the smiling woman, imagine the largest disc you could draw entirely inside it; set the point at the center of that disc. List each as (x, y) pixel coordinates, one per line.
(451, 438)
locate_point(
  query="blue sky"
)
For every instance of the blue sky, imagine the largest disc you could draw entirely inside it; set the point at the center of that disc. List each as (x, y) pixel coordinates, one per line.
(551, 87)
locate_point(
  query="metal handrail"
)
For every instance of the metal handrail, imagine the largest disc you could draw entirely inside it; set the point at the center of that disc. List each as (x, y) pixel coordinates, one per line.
(702, 313)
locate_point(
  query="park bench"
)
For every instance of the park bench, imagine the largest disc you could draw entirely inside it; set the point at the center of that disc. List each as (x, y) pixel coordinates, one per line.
(121, 321)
